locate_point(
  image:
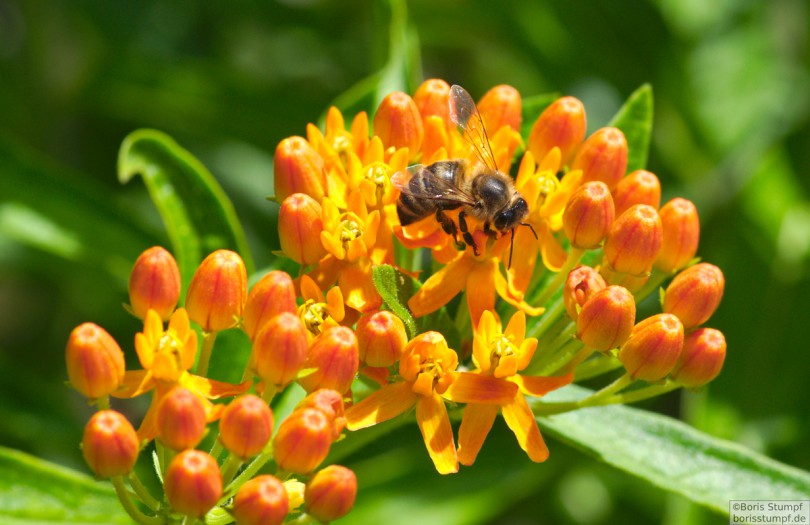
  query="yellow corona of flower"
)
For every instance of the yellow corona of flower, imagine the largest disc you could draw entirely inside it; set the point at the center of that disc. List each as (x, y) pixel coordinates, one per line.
(166, 357)
(500, 355)
(320, 311)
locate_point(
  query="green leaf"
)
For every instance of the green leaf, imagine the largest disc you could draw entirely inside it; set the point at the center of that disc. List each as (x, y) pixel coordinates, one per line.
(197, 213)
(635, 119)
(34, 491)
(396, 288)
(673, 455)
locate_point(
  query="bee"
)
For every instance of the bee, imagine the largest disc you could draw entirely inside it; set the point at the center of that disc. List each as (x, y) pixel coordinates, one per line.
(479, 188)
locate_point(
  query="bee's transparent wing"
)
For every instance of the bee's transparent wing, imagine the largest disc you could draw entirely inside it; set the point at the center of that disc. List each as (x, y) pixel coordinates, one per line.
(464, 114)
(433, 188)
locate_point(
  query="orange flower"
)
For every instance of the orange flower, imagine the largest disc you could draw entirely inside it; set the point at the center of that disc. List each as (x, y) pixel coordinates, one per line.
(166, 356)
(500, 355)
(428, 375)
(320, 312)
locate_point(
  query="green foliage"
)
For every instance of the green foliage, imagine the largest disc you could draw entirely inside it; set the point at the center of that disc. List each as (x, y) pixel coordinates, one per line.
(635, 119)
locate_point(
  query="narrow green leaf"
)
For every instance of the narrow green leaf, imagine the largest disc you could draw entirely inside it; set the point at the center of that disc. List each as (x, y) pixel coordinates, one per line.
(635, 119)
(396, 288)
(673, 455)
(197, 213)
(33, 491)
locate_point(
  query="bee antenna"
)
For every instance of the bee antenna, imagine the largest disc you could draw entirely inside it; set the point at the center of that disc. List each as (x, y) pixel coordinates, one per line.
(512, 247)
(530, 227)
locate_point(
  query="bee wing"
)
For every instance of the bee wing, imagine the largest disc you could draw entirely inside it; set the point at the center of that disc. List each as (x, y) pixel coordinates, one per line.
(435, 188)
(464, 113)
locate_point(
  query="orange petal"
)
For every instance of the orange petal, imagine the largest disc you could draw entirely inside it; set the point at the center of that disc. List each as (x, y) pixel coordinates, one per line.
(554, 255)
(357, 285)
(481, 289)
(516, 328)
(384, 404)
(525, 259)
(144, 349)
(441, 287)
(537, 386)
(334, 301)
(431, 416)
(503, 291)
(213, 389)
(526, 352)
(470, 387)
(475, 425)
(136, 382)
(520, 419)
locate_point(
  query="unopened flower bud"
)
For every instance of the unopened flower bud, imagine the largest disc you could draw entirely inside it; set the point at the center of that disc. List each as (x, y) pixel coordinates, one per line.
(180, 419)
(582, 283)
(217, 293)
(302, 441)
(297, 168)
(330, 494)
(560, 125)
(154, 283)
(398, 123)
(695, 293)
(95, 362)
(381, 338)
(280, 349)
(272, 295)
(261, 501)
(681, 227)
(588, 215)
(432, 99)
(634, 240)
(300, 224)
(330, 402)
(193, 483)
(607, 318)
(335, 357)
(653, 347)
(501, 106)
(704, 351)
(638, 187)
(246, 426)
(603, 157)
(110, 444)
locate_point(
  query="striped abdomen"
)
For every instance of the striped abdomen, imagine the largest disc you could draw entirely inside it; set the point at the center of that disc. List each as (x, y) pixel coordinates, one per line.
(425, 191)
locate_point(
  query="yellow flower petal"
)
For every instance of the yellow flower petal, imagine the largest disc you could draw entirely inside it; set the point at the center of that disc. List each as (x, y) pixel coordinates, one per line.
(470, 387)
(537, 386)
(441, 287)
(516, 329)
(384, 404)
(357, 286)
(334, 302)
(520, 419)
(475, 425)
(136, 382)
(310, 291)
(145, 349)
(431, 416)
(526, 352)
(210, 389)
(503, 291)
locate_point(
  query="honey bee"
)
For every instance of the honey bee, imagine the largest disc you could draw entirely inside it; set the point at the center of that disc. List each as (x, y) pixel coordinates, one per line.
(479, 188)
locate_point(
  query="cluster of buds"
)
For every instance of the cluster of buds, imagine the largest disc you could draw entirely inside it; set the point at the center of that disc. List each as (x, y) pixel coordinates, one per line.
(596, 242)
(218, 482)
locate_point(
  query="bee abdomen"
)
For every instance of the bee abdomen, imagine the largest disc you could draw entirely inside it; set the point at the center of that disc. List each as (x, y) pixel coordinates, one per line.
(411, 209)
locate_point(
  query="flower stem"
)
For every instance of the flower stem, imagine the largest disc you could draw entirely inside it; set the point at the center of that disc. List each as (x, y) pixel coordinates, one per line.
(596, 367)
(142, 492)
(651, 285)
(230, 468)
(251, 469)
(129, 505)
(574, 256)
(600, 398)
(643, 393)
(205, 353)
(216, 448)
(103, 403)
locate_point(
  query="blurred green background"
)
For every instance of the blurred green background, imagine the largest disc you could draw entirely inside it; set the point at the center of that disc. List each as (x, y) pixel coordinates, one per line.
(229, 80)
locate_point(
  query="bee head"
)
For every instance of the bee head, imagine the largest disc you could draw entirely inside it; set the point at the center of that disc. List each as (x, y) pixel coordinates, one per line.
(509, 217)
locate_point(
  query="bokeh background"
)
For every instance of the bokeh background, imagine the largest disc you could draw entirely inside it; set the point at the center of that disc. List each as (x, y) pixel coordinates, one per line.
(229, 80)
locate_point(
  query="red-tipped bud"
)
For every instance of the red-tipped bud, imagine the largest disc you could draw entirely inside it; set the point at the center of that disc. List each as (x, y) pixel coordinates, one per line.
(302, 441)
(110, 444)
(588, 215)
(272, 295)
(501, 106)
(681, 227)
(300, 225)
(180, 419)
(261, 501)
(154, 283)
(603, 157)
(331, 493)
(607, 318)
(695, 293)
(193, 483)
(582, 283)
(398, 123)
(704, 351)
(561, 125)
(280, 349)
(432, 98)
(381, 337)
(95, 362)
(330, 402)
(634, 240)
(246, 426)
(217, 293)
(297, 168)
(335, 357)
(639, 187)
(653, 347)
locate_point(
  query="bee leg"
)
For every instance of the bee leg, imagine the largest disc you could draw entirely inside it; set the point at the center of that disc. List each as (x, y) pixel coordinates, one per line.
(465, 233)
(449, 227)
